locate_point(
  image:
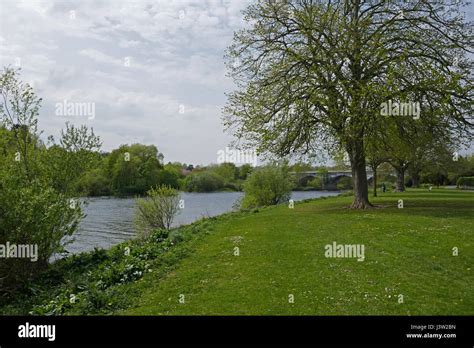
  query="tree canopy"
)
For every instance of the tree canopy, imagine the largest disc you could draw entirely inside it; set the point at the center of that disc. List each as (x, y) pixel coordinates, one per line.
(313, 75)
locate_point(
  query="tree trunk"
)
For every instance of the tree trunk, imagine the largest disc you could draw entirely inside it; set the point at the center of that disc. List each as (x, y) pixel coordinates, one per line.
(415, 178)
(359, 175)
(374, 169)
(400, 184)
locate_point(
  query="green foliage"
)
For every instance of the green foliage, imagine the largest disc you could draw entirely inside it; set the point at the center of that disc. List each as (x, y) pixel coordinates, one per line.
(465, 182)
(203, 182)
(316, 183)
(37, 208)
(32, 214)
(94, 183)
(228, 171)
(134, 169)
(244, 171)
(67, 162)
(168, 177)
(371, 57)
(100, 281)
(344, 183)
(158, 210)
(269, 185)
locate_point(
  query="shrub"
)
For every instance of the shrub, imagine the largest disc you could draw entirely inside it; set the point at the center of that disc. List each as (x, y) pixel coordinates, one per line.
(204, 182)
(465, 181)
(94, 184)
(267, 186)
(32, 214)
(344, 183)
(157, 211)
(316, 183)
(36, 211)
(168, 178)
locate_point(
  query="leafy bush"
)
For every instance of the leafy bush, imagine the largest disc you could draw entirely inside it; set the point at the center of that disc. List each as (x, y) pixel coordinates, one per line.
(316, 183)
(97, 281)
(36, 206)
(157, 211)
(465, 181)
(133, 169)
(344, 183)
(94, 184)
(267, 186)
(32, 215)
(168, 177)
(228, 171)
(203, 182)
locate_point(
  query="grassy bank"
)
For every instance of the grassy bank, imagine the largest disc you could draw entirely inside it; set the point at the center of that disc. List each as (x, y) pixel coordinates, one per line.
(408, 252)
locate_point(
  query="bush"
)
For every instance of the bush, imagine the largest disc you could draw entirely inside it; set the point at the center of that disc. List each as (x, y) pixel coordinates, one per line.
(203, 182)
(33, 215)
(344, 183)
(465, 181)
(168, 178)
(267, 186)
(157, 211)
(94, 184)
(316, 183)
(36, 207)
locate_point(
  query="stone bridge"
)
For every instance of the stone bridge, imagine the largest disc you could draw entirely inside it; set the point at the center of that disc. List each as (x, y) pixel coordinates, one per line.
(330, 179)
(330, 174)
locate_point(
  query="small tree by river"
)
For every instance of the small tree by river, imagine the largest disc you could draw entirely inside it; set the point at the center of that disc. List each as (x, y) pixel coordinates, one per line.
(269, 185)
(157, 211)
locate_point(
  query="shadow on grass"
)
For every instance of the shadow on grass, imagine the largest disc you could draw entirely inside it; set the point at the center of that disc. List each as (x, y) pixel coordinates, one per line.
(438, 204)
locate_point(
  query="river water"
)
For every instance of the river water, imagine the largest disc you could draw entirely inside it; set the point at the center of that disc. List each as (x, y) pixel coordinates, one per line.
(109, 220)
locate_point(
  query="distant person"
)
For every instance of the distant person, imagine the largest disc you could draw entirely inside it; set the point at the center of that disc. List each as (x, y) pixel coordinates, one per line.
(384, 188)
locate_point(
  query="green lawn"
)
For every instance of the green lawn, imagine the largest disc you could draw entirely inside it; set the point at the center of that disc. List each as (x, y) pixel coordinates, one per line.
(407, 252)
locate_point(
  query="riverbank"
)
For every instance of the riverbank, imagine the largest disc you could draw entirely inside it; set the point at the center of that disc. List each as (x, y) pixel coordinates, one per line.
(408, 266)
(109, 221)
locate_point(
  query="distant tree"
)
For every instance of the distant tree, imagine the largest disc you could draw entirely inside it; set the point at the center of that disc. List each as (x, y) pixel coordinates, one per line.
(76, 153)
(206, 181)
(134, 169)
(228, 171)
(168, 177)
(376, 156)
(244, 171)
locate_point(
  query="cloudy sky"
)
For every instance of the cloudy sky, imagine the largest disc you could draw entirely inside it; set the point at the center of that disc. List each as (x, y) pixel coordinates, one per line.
(153, 69)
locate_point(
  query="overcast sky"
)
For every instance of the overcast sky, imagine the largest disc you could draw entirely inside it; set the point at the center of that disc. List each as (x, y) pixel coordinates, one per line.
(153, 69)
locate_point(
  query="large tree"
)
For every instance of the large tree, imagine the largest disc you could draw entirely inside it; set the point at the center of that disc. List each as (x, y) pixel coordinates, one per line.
(312, 72)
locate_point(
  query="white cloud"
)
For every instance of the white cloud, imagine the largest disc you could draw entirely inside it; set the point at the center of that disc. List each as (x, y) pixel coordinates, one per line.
(77, 51)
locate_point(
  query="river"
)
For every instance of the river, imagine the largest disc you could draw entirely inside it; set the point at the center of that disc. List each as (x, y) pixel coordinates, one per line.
(109, 220)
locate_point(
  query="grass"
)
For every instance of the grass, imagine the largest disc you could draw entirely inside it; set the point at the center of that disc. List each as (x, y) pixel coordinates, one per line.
(408, 252)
